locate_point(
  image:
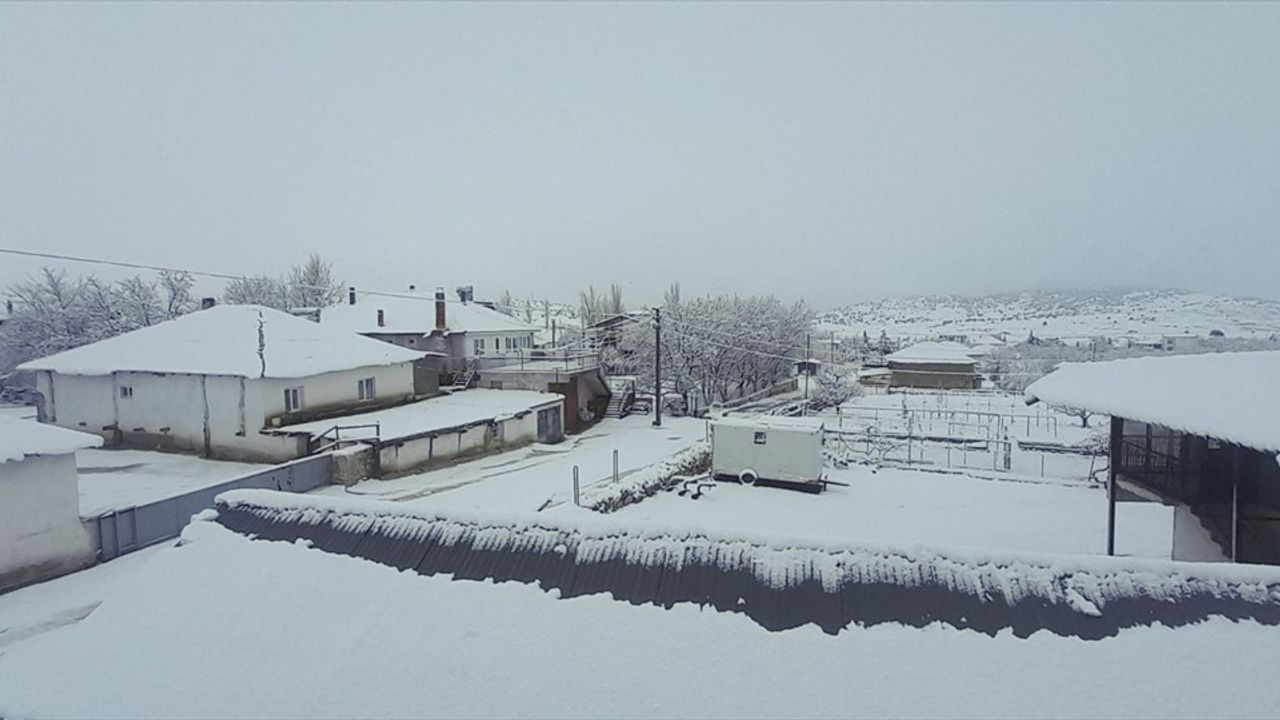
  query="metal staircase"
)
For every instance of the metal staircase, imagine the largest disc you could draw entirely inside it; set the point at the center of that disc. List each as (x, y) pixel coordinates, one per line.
(623, 395)
(462, 380)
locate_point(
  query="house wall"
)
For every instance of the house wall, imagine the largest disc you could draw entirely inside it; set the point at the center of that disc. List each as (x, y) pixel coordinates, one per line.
(215, 416)
(40, 531)
(939, 376)
(585, 393)
(413, 341)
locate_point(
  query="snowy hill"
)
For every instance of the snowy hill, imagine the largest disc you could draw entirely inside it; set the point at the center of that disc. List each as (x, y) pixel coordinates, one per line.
(1065, 314)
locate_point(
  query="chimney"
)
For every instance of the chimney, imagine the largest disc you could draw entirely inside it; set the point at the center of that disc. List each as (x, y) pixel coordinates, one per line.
(206, 303)
(440, 320)
(382, 318)
(466, 293)
(351, 295)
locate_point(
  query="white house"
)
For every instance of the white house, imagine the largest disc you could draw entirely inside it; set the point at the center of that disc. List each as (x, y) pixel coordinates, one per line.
(461, 329)
(210, 381)
(40, 531)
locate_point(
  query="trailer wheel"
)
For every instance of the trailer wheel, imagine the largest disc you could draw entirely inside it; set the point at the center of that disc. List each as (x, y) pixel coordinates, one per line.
(747, 477)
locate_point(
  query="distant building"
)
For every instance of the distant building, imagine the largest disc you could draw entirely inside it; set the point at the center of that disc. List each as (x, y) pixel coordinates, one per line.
(210, 381)
(461, 330)
(1209, 449)
(40, 531)
(934, 365)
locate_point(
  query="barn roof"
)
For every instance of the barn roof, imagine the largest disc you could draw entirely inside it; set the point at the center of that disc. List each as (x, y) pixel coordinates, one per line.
(933, 353)
(1233, 397)
(24, 438)
(224, 340)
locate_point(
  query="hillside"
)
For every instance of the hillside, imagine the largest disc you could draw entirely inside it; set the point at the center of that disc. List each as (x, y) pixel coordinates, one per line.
(1059, 314)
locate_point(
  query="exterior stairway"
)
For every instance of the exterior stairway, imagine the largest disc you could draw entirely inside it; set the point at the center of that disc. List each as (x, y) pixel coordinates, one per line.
(623, 394)
(462, 380)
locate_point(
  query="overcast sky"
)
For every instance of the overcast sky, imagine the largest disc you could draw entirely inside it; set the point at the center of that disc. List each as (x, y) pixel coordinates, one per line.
(833, 152)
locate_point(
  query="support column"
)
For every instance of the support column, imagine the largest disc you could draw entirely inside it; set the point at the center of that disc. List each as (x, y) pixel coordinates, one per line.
(1117, 430)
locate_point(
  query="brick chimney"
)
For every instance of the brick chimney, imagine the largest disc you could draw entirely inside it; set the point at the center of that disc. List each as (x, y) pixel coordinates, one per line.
(382, 318)
(351, 295)
(440, 319)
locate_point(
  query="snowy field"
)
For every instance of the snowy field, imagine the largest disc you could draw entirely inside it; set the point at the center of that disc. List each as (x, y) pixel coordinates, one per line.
(895, 506)
(115, 479)
(525, 480)
(227, 627)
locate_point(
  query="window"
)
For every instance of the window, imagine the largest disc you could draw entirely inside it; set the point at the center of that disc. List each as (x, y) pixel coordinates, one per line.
(292, 399)
(365, 389)
(126, 391)
(760, 437)
(506, 343)
(478, 344)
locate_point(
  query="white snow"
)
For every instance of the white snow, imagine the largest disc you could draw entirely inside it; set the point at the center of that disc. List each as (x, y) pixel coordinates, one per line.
(905, 506)
(933, 353)
(1233, 397)
(20, 438)
(438, 413)
(224, 340)
(228, 627)
(526, 479)
(118, 479)
(417, 315)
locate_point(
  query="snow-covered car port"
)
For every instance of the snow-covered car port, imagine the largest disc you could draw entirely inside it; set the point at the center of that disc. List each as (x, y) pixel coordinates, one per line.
(1208, 449)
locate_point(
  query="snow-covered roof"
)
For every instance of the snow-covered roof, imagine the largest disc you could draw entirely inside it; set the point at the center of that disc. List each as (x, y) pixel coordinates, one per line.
(223, 340)
(22, 438)
(1234, 397)
(806, 424)
(439, 413)
(933, 353)
(417, 315)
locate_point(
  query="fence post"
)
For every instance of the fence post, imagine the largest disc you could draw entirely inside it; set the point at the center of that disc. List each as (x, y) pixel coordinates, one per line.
(577, 498)
(1042, 464)
(615, 466)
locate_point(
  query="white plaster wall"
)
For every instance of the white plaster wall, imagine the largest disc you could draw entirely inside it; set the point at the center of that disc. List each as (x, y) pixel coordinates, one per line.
(336, 388)
(40, 531)
(85, 403)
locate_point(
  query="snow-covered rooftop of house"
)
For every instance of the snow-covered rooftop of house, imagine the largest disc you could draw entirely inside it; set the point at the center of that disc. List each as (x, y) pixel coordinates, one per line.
(417, 315)
(223, 340)
(22, 438)
(807, 424)
(1234, 397)
(939, 353)
(439, 413)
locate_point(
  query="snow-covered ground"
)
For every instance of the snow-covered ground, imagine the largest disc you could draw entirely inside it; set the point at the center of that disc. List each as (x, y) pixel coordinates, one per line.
(228, 627)
(1065, 315)
(115, 479)
(911, 507)
(526, 479)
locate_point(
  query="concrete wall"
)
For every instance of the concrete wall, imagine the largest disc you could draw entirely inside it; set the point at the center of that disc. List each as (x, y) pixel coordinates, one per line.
(584, 392)
(425, 451)
(40, 531)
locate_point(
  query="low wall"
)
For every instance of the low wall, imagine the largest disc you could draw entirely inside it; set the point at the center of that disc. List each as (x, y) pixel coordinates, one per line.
(609, 496)
(40, 532)
(441, 447)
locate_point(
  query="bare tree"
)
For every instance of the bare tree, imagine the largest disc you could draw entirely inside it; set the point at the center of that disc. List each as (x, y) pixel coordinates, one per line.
(257, 290)
(614, 306)
(312, 285)
(176, 286)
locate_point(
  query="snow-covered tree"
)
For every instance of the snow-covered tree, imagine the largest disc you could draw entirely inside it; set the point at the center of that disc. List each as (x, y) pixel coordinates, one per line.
(835, 385)
(258, 290)
(311, 285)
(176, 286)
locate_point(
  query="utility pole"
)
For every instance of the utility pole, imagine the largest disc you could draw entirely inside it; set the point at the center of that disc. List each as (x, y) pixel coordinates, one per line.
(808, 369)
(657, 367)
(833, 347)
(553, 333)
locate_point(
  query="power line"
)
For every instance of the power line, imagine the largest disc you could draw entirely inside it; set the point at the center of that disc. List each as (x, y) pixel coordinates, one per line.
(208, 274)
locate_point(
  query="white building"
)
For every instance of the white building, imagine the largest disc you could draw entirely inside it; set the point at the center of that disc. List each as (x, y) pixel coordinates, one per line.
(210, 381)
(461, 329)
(40, 531)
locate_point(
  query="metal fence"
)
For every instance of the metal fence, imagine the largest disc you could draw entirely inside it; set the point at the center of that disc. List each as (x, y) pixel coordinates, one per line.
(125, 530)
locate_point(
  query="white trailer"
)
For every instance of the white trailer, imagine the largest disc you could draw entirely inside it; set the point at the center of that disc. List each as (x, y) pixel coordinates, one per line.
(769, 450)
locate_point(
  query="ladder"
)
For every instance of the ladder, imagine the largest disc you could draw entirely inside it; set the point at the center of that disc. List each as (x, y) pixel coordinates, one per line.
(462, 380)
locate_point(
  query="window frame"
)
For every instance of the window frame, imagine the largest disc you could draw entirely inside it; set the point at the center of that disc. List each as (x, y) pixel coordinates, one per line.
(366, 383)
(294, 398)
